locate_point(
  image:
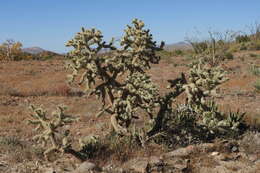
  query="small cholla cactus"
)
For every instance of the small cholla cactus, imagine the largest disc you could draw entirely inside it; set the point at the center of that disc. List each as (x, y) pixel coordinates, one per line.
(120, 98)
(202, 82)
(50, 129)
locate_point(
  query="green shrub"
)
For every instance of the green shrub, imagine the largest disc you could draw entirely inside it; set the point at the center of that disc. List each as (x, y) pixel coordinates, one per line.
(255, 70)
(228, 55)
(242, 39)
(256, 45)
(244, 46)
(253, 55)
(257, 85)
(165, 55)
(234, 48)
(178, 52)
(199, 47)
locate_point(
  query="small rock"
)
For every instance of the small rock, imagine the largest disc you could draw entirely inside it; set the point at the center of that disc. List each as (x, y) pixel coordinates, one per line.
(140, 164)
(234, 149)
(113, 168)
(49, 170)
(182, 166)
(253, 157)
(215, 153)
(177, 164)
(87, 166)
(181, 152)
(156, 163)
(206, 147)
(154, 160)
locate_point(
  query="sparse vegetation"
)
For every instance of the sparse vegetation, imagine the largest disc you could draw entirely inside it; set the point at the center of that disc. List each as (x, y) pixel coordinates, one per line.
(120, 81)
(11, 50)
(257, 85)
(119, 92)
(255, 70)
(215, 49)
(242, 39)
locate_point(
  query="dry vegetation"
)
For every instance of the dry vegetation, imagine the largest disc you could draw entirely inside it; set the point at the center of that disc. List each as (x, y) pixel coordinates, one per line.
(43, 83)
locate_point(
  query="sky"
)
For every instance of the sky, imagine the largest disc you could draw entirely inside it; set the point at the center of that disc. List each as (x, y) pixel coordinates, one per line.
(49, 24)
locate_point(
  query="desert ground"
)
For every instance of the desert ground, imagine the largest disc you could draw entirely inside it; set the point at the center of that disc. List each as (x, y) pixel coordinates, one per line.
(44, 83)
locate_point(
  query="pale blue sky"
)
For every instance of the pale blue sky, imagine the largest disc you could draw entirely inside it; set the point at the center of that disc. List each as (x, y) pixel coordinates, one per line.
(50, 23)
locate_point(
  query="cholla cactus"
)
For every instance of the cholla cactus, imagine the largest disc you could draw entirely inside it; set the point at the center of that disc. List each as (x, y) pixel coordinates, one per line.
(50, 129)
(120, 98)
(202, 82)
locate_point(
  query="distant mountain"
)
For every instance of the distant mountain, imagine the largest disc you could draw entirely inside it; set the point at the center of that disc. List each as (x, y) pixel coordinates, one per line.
(180, 45)
(33, 50)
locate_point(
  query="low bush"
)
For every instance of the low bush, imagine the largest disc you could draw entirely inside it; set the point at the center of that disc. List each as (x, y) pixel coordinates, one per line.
(255, 70)
(178, 52)
(242, 39)
(257, 86)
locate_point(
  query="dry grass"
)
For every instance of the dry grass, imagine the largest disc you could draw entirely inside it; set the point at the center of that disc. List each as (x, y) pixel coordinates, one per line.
(18, 150)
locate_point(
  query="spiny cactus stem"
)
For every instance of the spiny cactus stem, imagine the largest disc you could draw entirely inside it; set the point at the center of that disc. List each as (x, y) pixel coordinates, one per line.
(117, 127)
(164, 107)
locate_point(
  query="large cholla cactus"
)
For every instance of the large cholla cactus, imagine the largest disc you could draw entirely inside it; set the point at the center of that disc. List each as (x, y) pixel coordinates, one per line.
(120, 97)
(50, 129)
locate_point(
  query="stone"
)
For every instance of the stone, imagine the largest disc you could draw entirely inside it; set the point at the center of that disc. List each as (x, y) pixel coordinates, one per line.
(214, 153)
(87, 167)
(177, 164)
(181, 152)
(156, 163)
(140, 164)
(206, 147)
(253, 157)
(111, 168)
(49, 170)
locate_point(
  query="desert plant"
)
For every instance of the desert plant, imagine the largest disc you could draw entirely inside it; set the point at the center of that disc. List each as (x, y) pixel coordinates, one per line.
(214, 49)
(257, 85)
(10, 50)
(51, 135)
(178, 52)
(254, 29)
(255, 70)
(242, 38)
(122, 98)
(253, 55)
(199, 47)
(119, 79)
(203, 80)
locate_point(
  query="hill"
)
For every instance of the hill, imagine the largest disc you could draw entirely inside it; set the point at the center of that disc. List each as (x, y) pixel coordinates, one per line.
(33, 50)
(179, 45)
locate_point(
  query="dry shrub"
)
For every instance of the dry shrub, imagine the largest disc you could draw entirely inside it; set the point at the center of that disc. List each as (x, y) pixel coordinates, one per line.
(59, 90)
(18, 150)
(64, 90)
